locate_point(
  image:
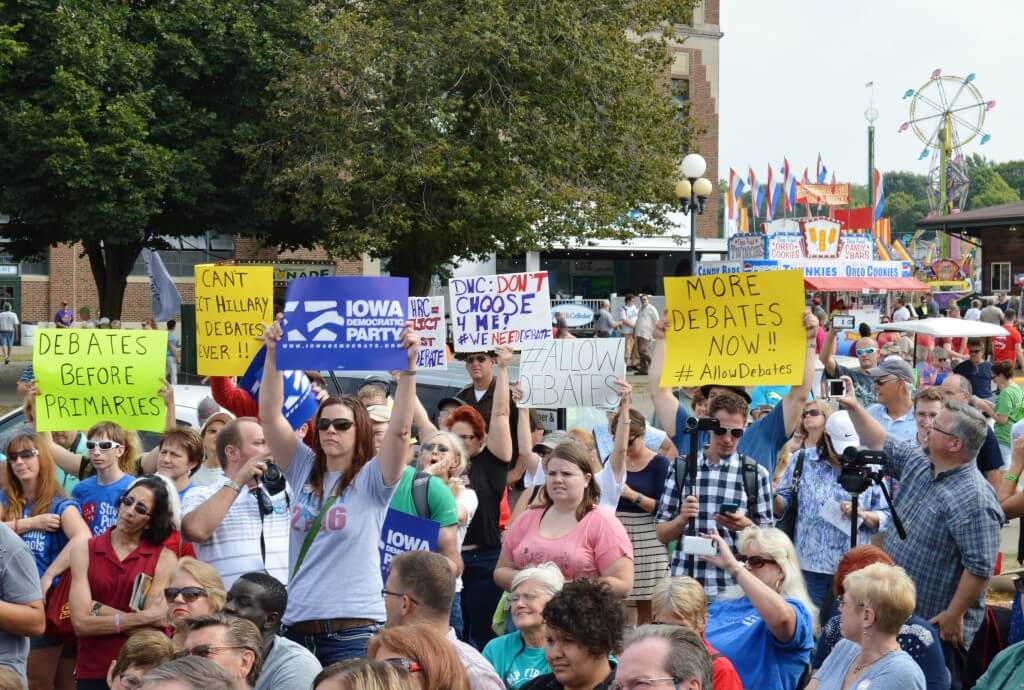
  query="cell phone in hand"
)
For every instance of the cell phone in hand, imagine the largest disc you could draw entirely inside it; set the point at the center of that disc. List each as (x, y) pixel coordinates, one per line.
(843, 322)
(728, 508)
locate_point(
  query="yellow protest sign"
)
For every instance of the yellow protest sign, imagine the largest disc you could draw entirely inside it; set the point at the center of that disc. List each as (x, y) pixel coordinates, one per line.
(232, 305)
(739, 329)
(89, 376)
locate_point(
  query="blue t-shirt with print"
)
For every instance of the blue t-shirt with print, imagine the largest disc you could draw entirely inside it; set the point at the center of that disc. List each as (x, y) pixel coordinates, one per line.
(99, 501)
(45, 546)
(740, 634)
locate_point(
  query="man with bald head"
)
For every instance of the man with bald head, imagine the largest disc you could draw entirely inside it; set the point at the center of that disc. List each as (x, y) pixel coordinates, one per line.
(866, 350)
(990, 459)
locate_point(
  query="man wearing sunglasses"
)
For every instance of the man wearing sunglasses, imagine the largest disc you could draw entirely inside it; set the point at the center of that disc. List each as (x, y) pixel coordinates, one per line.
(720, 482)
(232, 643)
(977, 369)
(236, 526)
(866, 350)
(952, 521)
(894, 380)
(765, 437)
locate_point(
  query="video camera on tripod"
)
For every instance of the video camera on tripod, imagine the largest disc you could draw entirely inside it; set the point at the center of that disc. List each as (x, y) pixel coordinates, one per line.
(857, 472)
(695, 425)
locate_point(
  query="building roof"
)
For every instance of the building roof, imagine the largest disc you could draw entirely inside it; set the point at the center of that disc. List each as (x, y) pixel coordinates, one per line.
(1003, 214)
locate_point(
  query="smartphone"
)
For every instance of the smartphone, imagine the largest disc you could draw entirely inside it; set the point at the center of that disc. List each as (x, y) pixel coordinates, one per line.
(835, 388)
(728, 508)
(842, 321)
(699, 546)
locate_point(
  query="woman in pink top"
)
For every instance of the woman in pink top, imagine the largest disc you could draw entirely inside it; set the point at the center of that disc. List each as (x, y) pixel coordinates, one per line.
(568, 528)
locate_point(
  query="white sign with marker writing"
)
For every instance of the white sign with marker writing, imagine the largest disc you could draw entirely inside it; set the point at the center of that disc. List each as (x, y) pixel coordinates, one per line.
(575, 372)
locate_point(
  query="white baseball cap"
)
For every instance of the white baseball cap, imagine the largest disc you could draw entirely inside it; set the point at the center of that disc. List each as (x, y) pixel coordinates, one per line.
(839, 428)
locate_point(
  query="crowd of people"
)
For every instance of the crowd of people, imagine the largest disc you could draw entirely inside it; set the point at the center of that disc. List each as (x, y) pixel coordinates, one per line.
(246, 555)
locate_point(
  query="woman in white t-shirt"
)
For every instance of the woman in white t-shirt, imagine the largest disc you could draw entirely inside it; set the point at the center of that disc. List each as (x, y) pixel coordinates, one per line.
(341, 496)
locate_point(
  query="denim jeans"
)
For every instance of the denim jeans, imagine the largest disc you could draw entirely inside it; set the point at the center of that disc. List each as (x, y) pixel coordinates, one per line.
(336, 646)
(479, 594)
(455, 617)
(819, 587)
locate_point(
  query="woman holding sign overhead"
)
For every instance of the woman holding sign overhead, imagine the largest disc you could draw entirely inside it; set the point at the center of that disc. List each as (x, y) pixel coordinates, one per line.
(341, 498)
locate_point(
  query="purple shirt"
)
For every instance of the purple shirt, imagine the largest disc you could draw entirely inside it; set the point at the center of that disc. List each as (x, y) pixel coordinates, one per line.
(63, 318)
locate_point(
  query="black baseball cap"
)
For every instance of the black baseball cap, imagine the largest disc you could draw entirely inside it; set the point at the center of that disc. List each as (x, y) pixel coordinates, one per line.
(738, 390)
(461, 356)
(445, 402)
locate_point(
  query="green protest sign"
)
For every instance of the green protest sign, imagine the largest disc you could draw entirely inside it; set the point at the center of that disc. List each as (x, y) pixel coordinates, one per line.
(90, 376)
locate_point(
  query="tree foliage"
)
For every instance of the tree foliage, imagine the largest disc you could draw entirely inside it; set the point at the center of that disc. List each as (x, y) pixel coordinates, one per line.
(440, 129)
(988, 188)
(120, 123)
(10, 48)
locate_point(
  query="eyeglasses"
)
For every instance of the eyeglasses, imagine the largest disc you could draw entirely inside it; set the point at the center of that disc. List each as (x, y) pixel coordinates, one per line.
(205, 650)
(128, 502)
(527, 597)
(810, 413)
(883, 381)
(339, 424)
(102, 445)
(189, 594)
(431, 447)
(130, 681)
(407, 665)
(477, 359)
(755, 562)
(936, 427)
(644, 683)
(22, 454)
(861, 351)
(735, 431)
(389, 593)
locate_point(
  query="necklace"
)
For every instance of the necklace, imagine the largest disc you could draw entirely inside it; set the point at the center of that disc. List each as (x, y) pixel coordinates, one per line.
(857, 668)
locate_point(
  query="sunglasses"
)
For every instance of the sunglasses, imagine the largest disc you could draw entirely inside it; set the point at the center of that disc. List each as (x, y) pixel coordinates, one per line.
(129, 502)
(102, 445)
(861, 351)
(721, 431)
(431, 447)
(810, 413)
(407, 665)
(204, 650)
(23, 454)
(883, 381)
(189, 594)
(339, 424)
(477, 359)
(755, 562)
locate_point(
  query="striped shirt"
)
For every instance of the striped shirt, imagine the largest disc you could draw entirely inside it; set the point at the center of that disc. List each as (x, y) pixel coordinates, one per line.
(234, 548)
(952, 520)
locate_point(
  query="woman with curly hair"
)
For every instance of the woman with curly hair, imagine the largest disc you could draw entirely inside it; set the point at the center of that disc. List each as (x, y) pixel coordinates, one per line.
(583, 625)
(342, 492)
(423, 652)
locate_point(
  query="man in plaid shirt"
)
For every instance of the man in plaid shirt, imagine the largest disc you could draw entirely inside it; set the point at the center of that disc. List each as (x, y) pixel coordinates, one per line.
(952, 520)
(719, 481)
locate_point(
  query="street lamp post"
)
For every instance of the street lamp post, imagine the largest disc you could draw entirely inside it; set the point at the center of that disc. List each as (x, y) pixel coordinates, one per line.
(692, 192)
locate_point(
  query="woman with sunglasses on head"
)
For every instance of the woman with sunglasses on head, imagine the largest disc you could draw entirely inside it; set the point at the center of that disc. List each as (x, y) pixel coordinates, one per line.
(443, 455)
(341, 497)
(36, 508)
(568, 528)
(422, 652)
(490, 451)
(195, 590)
(823, 506)
(765, 624)
(364, 674)
(105, 570)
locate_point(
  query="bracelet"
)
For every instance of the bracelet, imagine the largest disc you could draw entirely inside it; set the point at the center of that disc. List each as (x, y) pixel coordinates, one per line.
(1010, 477)
(409, 372)
(639, 498)
(15, 525)
(117, 622)
(232, 484)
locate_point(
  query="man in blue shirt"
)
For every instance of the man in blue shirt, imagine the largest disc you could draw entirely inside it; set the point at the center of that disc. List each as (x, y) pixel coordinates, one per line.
(763, 439)
(977, 369)
(893, 379)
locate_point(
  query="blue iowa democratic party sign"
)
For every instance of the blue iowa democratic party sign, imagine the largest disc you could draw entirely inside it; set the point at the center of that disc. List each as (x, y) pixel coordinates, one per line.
(344, 322)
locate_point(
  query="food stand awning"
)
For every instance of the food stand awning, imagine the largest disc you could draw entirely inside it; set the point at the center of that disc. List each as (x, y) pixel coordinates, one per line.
(866, 283)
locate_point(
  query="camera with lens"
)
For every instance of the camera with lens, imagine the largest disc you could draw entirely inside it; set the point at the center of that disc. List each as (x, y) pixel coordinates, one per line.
(856, 472)
(702, 424)
(273, 479)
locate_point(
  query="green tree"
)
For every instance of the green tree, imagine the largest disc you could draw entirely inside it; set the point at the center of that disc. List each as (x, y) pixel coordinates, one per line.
(988, 188)
(1013, 173)
(904, 210)
(426, 131)
(120, 123)
(10, 48)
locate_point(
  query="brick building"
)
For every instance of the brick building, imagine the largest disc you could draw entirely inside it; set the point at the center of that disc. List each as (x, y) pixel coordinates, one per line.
(36, 288)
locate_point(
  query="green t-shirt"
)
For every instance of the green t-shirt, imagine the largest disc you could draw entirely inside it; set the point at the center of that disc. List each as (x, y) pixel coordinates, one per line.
(1008, 404)
(515, 663)
(439, 497)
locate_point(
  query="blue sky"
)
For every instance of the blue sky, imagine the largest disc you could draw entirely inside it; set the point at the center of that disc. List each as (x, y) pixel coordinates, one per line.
(793, 75)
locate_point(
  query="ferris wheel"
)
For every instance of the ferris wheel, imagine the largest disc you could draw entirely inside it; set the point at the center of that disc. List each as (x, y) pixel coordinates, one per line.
(947, 113)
